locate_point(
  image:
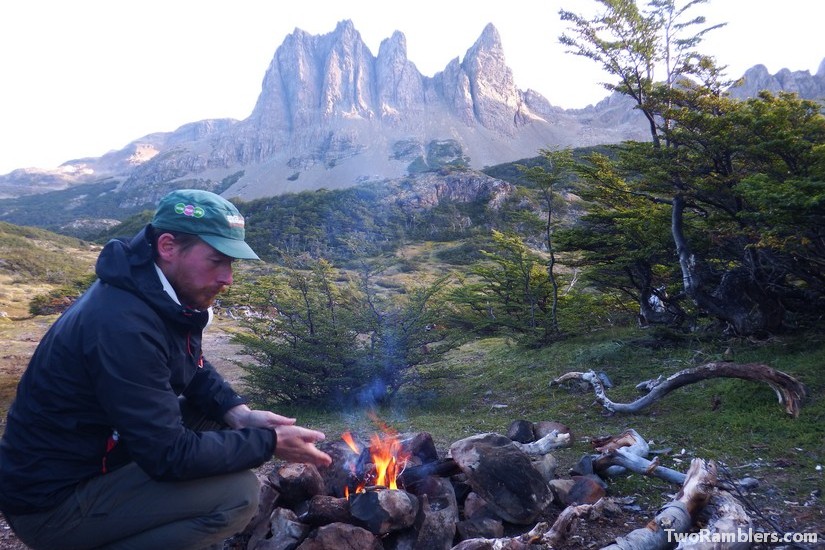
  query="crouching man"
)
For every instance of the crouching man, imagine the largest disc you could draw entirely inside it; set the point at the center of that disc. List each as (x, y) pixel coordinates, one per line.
(96, 452)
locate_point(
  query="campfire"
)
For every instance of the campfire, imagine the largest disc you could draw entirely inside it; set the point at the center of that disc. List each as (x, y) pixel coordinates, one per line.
(377, 465)
(396, 491)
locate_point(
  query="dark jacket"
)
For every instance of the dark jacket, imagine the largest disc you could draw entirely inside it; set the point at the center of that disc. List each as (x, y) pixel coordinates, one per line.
(102, 390)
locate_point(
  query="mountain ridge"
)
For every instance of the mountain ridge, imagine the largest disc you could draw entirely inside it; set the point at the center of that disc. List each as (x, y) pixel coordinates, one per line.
(331, 115)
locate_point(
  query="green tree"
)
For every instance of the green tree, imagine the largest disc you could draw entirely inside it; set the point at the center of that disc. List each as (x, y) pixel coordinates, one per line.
(623, 244)
(546, 182)
(509, 291)
(703, 145)
(316, 340)
(633, 44)
(302, 336)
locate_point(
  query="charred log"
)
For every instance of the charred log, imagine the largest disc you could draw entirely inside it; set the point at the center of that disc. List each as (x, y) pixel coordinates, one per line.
(382, 511)
(413, 476)
(325, 509)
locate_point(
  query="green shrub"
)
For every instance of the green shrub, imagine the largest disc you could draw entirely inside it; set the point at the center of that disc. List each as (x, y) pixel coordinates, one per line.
(59, 299)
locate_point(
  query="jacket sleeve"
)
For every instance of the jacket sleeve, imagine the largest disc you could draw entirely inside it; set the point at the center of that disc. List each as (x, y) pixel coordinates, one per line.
(211, 393)
(130, 360)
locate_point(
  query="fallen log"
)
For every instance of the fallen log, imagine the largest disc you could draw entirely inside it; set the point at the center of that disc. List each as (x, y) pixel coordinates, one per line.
(789, 391)
(729, 527)
(677, 516)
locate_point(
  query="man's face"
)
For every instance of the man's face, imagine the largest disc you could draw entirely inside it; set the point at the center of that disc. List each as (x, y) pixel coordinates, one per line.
(198, 274)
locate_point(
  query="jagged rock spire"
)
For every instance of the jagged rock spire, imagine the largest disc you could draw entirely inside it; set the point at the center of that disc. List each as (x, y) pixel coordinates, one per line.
(312, 79)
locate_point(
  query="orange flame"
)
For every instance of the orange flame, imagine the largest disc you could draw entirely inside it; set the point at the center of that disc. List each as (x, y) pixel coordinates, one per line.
(347, 437)
(386, 454)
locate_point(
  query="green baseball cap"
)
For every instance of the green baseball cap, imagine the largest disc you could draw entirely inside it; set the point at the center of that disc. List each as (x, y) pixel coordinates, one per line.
(209, 216)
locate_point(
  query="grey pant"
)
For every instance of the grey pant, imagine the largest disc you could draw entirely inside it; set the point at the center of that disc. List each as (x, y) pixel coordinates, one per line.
(126, 509)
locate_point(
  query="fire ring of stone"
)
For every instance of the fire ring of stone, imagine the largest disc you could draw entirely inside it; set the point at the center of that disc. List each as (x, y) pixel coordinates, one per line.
(503, 476)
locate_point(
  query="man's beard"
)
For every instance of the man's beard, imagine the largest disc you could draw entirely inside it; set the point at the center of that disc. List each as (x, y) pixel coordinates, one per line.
(202, 301)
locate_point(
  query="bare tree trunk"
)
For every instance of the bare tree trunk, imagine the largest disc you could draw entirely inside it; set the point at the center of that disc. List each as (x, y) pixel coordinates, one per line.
(551, 265)
(737, 299)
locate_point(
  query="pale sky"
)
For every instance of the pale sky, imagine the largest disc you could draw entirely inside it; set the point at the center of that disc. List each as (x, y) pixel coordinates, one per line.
(82, 77)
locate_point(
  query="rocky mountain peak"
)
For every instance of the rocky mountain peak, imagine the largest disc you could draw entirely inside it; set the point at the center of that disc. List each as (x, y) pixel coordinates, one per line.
(497, 102)
(332, 114)
(758, 78)
(400, 87)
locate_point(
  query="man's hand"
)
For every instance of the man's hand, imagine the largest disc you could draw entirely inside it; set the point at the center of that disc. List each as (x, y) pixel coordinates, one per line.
(295, 444)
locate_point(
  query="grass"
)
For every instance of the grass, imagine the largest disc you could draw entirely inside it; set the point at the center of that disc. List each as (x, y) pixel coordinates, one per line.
(496, 382)
(32, 254)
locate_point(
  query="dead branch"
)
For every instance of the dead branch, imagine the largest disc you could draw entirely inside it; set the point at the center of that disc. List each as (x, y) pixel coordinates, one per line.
(567, 522)
(629, 441)
(675, 517)
(640, 465)
(628, 451)
(789, 391)
(553, 440)
(543, 535)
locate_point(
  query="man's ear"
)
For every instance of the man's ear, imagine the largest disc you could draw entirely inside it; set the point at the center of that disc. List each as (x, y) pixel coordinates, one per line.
(167, 247)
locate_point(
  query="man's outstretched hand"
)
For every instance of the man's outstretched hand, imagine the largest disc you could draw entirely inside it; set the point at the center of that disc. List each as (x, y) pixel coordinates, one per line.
(295, 444)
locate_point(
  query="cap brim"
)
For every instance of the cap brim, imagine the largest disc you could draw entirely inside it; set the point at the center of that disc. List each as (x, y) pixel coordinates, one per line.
(233, 248)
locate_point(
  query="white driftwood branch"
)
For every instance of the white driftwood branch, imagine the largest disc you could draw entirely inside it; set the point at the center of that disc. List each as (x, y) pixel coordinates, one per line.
(789, 391)
(629, 451)
(641, 465)
(629, 440)
(553, 440)
(675, 517)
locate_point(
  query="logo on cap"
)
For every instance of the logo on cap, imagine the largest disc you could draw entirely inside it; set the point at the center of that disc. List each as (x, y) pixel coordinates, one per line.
(235, 221)
(189, 210)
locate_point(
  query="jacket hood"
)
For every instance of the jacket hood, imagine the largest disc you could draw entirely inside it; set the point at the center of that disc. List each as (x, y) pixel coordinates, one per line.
(130, 266)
